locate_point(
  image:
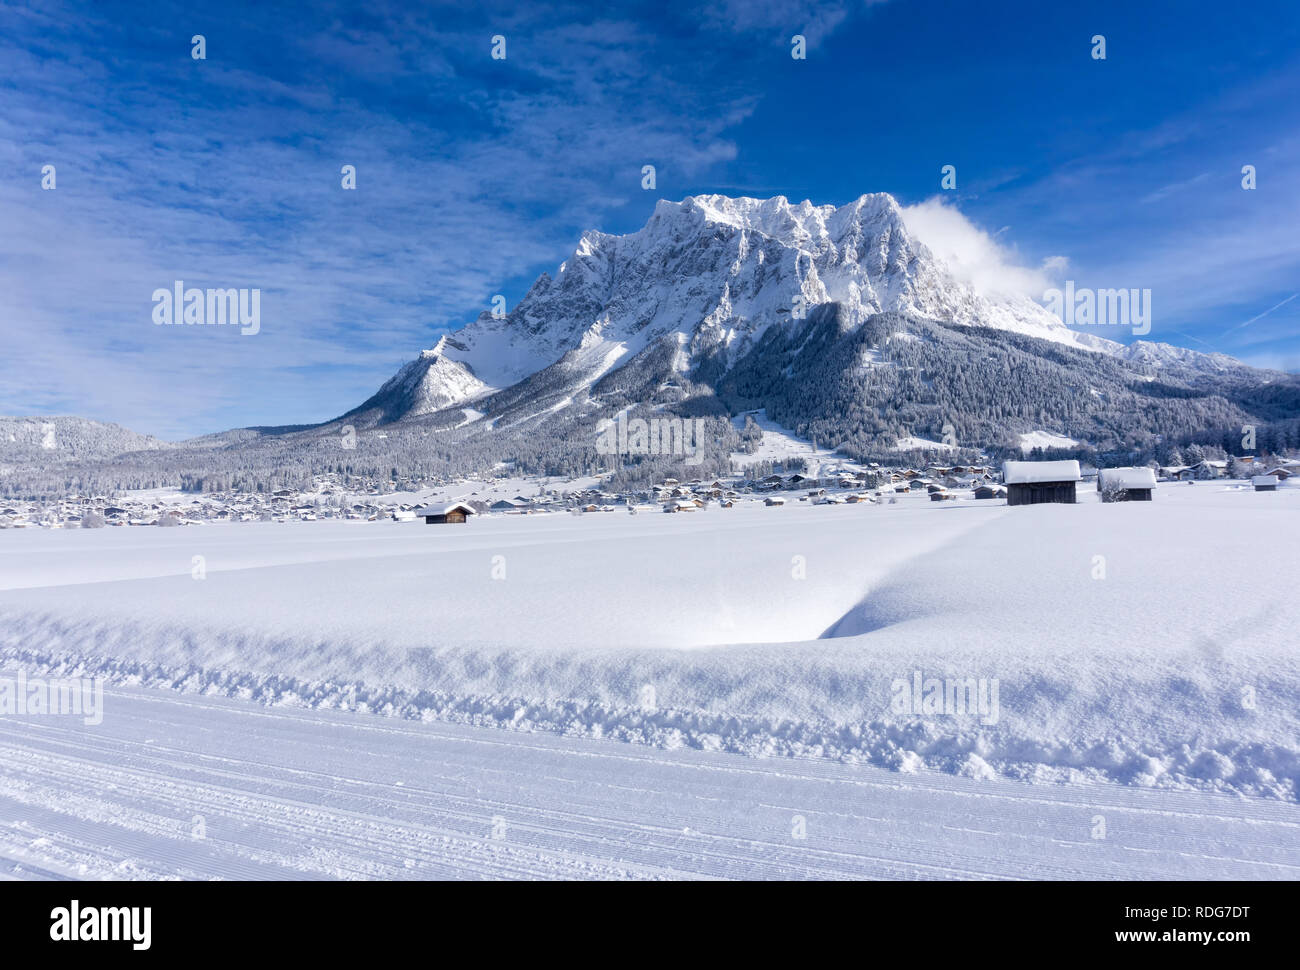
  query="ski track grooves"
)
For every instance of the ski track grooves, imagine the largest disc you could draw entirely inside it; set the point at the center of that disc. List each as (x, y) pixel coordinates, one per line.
(288, 793)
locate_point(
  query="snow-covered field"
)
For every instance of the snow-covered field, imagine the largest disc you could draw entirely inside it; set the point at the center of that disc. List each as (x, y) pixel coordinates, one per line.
(197, 787)
(1044, 439)
(1130, 646)
(780, 444)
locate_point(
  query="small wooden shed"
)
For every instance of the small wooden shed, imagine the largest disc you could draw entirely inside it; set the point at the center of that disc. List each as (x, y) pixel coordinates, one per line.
(456, 512)
(1040, 482)
(1126, 484)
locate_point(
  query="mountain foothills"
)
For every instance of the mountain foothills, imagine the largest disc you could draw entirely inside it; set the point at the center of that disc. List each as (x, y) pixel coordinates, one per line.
(838, 322)
(61, 439)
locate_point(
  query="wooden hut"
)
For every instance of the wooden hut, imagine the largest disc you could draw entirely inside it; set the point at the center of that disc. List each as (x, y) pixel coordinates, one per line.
(1040, 482)
(1264, 483)
(446, 514)
(1126, 484)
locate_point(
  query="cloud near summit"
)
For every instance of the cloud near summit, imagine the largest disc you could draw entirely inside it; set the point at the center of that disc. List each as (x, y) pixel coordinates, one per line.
(975, 256)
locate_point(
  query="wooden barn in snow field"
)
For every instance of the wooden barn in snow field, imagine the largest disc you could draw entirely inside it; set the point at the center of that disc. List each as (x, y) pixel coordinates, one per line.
(444, 514)
(1126, 484)
(1039, 482)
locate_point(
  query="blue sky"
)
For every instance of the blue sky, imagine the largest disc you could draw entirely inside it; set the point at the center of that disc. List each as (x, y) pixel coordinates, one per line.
(474, 175)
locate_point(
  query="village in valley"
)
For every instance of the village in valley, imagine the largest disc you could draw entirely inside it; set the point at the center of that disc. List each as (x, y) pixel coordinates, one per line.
(833, 482)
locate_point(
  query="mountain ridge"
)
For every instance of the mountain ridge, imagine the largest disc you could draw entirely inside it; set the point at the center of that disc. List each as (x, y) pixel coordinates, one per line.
(714, 273)
(837, 321)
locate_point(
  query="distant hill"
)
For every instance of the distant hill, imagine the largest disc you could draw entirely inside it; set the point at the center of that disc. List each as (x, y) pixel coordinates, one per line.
(61, 439)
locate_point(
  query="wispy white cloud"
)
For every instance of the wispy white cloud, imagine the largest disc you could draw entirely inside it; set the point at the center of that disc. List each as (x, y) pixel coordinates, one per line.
(1173, 188)
(472, 173)
(1260, 316)
(1163, 208)
(975, 256)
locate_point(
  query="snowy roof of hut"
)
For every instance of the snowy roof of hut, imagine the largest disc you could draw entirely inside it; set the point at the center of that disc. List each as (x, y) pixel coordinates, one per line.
(447, 509)
(1134, 477)
(1031, 472)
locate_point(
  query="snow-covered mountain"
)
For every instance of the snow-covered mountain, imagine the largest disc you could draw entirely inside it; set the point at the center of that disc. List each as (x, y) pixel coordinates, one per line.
(707, 276)
(837, 323)
(57, 439)
(1151, 354)
(430, 383)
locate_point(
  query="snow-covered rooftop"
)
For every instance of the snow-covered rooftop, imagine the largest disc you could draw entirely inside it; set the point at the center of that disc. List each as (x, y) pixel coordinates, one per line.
(1126, 478)
(445, 509)
(1028, 472)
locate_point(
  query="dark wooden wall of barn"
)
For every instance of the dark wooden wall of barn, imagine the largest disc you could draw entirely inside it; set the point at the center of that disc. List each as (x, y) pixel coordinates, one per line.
(1039, 493)
(1129, 495)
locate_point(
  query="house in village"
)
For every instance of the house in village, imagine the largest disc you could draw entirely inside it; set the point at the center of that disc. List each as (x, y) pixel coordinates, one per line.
(1126, 484)
(1040, 482)
(1201, 471)
(990, 491)
(456, 512)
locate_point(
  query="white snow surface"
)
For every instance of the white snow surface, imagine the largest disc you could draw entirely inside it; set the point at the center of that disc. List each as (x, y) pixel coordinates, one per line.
(914, 443)
(289, 793)
(780, 444)
(756, 630)
(1044, 439)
